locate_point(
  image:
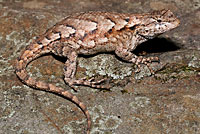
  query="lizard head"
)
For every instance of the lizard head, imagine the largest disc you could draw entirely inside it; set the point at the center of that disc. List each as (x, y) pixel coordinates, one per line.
(157, 23)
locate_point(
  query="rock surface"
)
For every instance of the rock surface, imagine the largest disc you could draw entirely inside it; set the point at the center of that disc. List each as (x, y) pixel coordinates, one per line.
(168, 102)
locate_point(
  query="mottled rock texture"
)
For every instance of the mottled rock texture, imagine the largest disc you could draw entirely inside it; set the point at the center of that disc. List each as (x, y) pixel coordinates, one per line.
(167, 102)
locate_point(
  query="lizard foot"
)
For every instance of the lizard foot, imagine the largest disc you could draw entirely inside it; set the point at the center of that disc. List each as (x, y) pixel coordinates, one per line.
(146, 61)
(90, 82)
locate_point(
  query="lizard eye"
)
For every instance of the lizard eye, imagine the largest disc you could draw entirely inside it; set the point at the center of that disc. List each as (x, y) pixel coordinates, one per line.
(159, 20)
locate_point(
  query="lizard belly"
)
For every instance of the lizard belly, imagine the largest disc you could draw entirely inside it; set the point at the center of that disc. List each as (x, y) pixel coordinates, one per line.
(105, 47)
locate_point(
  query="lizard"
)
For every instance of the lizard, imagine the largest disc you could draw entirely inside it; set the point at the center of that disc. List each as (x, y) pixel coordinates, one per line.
(89, 33)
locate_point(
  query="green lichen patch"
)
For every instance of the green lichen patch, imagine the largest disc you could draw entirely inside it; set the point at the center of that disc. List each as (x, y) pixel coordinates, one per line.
(105, 65)
(176, 71)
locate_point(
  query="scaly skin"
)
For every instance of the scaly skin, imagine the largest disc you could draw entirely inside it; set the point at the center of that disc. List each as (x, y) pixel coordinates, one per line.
(90, 33)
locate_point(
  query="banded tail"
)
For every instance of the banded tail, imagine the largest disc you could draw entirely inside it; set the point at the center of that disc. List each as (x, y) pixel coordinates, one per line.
(33, 51)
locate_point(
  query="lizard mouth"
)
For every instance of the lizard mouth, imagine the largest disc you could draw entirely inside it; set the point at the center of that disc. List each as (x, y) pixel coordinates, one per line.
(146, 36)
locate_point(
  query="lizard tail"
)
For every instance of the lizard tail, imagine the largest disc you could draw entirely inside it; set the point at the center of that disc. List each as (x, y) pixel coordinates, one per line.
(33, 51)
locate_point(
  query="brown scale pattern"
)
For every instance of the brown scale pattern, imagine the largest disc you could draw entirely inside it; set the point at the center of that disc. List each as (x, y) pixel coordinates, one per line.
(90, 33)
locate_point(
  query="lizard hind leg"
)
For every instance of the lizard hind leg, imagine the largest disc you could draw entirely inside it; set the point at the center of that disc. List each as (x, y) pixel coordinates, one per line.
(70, 70)
(31, 53)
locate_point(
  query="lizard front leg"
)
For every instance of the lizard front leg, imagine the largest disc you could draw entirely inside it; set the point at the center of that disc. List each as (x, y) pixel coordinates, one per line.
(70, 70)
(128, 56)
